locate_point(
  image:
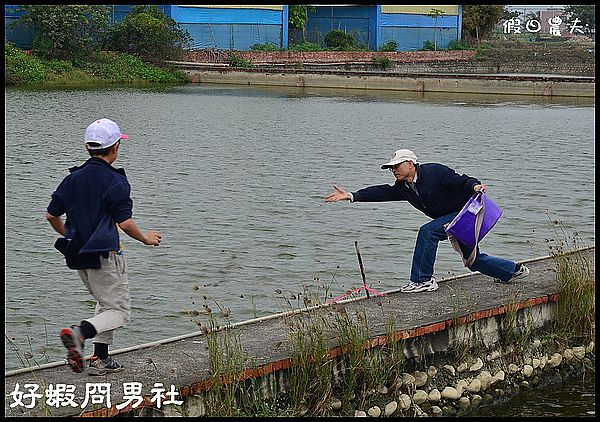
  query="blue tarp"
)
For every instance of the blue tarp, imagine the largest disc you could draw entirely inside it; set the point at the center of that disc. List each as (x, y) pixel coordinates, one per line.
(412, 39)
(232, 37)
(232, 16)
(418, 21)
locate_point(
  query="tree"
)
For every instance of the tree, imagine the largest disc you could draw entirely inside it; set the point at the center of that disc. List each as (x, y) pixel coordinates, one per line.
(149, 33)
(508, 15)
(479, 20)
(67, 32)
(585, 13)
(298, 17)
(435, 13)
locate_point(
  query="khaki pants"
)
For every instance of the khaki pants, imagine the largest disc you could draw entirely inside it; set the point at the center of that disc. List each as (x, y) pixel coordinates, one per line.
(109, 286)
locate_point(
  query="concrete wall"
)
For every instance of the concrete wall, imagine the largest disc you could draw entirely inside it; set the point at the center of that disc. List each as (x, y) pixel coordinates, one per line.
(456, 354)
(474, 84)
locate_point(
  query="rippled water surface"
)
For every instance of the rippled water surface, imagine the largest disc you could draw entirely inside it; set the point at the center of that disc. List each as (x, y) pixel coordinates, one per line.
(235, 178)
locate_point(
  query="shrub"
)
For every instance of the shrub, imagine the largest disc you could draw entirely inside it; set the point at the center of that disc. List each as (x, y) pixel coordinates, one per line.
(391, 45)
(459, 45)
(66, 31)
(149, 33)
(236, 60)
(383, 63)
(19, 68)
(428, 46)
(265, 47)
(339, 40)
(305, 46)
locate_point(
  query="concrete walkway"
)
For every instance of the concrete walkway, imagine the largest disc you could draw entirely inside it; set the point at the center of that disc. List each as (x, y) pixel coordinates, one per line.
(184, 362)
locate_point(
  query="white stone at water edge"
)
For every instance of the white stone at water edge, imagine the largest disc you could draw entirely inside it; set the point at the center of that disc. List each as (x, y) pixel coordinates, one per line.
(431, 372)
(434, 395)
(494, 355)
(579, 352)
(436, 410)
(590, 347)
(527, 370)
(543, 361)
(374, 411)
(475, 400)
(336, 404)
(359, 414)
(499, 376)
(420, 378)
(449, 369)
(485, 378)
(408, 379)
(555, 360)
(474, 386)
(568, 354)
(382, 389)
(404, 401)
(524, 384)
(390, 408)
(461, 386)
(464, 402)
(462, 367)
(512, 368)
(420, 396)
(477, 365)
(450, 393)
(535, 363)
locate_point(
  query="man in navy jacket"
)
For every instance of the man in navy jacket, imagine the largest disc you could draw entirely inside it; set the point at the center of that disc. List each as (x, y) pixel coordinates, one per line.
(96, 199)
(440, 193)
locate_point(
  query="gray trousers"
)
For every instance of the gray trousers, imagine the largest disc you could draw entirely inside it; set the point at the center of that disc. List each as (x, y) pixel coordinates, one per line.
(109, 286)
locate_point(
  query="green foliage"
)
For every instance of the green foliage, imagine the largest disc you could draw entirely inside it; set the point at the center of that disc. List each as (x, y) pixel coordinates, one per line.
(339, 40)
(297, 16)
(585, 13)
(126, 68)
(383, 63)
(479, 20)
(459, 45)
(391, 45)
(20, 68)
(99, 68)
(428, 46)
(236, 60)
(149, 33)
(305, 46)
(265, 47)
(508, 15)
(66, 31)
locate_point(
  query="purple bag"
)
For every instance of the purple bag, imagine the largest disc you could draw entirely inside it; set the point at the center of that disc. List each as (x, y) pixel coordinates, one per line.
(463, 227)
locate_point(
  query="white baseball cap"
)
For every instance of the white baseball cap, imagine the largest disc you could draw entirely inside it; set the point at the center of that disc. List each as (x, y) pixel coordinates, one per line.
(104, 133)
(400, 156)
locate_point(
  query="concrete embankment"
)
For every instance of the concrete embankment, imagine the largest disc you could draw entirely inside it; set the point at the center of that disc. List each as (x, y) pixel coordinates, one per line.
(538, 85)
(454, 343)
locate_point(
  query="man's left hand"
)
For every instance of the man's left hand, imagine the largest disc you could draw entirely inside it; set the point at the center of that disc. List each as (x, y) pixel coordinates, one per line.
(480, 188)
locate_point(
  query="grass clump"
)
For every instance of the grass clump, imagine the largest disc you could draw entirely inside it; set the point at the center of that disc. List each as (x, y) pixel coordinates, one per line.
(576, 304)
(98, 69)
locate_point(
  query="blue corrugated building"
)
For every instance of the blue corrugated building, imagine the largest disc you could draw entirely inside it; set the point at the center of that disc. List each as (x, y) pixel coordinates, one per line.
(233, 27)
(375, 25)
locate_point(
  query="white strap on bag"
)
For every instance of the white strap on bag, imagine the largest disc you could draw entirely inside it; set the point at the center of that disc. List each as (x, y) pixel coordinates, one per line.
(478, 223)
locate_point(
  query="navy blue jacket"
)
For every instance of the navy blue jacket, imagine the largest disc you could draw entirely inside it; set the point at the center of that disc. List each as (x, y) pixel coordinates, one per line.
(440, 190)
(95, 196)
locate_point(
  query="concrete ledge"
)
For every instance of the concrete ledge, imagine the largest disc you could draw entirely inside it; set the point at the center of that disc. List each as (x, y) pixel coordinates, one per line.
(543, 85)
(429, 322)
